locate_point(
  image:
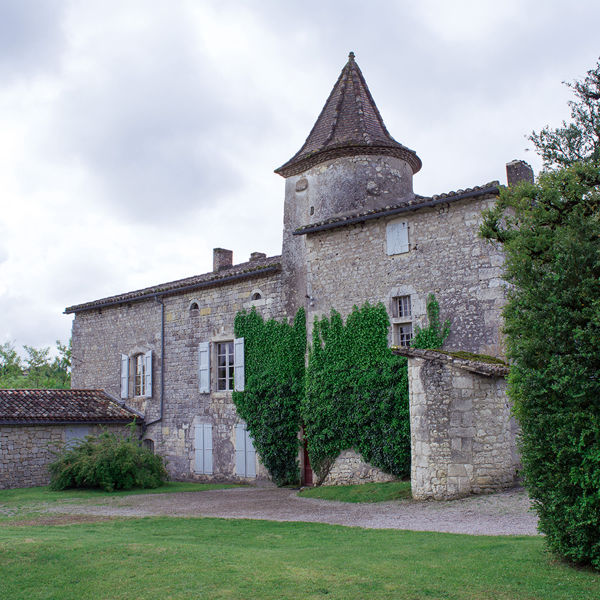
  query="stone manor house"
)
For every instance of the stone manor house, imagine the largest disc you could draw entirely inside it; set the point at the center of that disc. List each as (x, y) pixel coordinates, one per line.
(354, 231)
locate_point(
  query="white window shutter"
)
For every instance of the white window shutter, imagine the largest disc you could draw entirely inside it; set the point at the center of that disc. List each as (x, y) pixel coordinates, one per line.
(204, 367)
(397, 237)
(148, 374)
(199, 449)
(124, 376)
(240, 450)
(238, 365)
(208, 449)
(250, 457)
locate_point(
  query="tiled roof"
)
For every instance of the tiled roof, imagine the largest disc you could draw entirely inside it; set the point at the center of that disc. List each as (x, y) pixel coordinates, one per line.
(62, 406)
(349, 124)
(254, 268)
(407, 205)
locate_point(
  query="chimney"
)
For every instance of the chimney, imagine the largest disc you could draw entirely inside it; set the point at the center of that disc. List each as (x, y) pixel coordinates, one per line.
(222, 259)
(517, 171)
(257, 256)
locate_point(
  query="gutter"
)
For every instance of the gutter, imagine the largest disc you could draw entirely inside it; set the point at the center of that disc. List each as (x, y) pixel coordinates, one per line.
(162, 367)
(395, 211)
(177, 290)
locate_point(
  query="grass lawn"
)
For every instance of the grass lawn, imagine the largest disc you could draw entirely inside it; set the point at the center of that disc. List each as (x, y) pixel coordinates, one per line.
(364, 492)
(28, 503)
(45, 494)
(173, 558)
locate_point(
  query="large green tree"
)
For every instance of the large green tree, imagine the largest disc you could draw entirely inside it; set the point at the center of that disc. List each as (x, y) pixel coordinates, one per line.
(39, 370)
(551, 236)
(579, 139)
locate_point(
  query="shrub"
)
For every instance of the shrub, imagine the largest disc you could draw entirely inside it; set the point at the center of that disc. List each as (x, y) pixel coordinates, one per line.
(551, 236)
(110, 462)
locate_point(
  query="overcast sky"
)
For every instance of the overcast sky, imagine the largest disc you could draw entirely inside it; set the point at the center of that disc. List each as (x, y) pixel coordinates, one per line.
(135, 136)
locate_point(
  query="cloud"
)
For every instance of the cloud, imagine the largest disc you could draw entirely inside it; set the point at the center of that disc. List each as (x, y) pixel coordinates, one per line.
(31, 37)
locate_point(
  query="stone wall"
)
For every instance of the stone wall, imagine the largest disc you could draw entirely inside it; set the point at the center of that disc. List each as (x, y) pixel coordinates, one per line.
(350, 468)
(350, 265)
(100, 336)
(463, 438)
(26, 451)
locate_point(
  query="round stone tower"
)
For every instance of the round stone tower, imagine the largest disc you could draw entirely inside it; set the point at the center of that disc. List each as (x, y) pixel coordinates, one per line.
(348, 164)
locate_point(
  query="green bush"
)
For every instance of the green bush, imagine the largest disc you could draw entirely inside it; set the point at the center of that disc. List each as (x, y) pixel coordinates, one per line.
(110, 462)
(270, 402)
(551, 237)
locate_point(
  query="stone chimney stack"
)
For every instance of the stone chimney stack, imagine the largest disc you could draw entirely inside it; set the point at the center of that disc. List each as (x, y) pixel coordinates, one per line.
(257, 256)
(517, 171)
(222, 259)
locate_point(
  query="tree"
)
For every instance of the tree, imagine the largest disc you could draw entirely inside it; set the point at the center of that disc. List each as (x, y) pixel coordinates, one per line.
(40, 371)
(551, 236)
(580, 139)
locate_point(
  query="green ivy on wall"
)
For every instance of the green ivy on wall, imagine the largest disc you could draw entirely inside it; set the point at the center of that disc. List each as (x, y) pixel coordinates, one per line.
(356, 393)
(270, 405)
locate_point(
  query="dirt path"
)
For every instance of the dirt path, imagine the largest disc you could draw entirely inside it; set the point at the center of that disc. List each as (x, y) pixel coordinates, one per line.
(505, 513)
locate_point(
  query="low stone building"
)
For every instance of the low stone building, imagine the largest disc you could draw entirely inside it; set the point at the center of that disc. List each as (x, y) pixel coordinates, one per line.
(353, 231)
(33, 423)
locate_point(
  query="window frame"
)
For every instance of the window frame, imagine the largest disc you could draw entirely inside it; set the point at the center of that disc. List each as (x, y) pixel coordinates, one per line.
(402, 320)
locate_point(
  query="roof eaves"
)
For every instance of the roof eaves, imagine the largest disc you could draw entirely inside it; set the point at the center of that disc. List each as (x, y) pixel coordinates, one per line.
(167, 289)
(424, 202)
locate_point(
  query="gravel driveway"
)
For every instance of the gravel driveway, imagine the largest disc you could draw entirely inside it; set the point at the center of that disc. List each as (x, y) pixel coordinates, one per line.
(504, 513)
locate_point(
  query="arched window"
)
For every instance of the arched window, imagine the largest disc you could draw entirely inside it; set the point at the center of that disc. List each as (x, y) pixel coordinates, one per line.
(149, 444)
(256, 296)
(194, 307)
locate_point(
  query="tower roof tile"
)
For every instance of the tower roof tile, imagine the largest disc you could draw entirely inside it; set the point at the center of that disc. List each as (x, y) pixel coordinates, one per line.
(349, 124)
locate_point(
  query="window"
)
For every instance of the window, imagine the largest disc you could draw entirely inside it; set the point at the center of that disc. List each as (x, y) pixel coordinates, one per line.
(228, 360)
(203, 450)
(403, 334)
(402, 331)
(256, 296)
(148, 444)
(194, 308)
(136, 375)
(225, 366)
(397, 237)
(245, 454)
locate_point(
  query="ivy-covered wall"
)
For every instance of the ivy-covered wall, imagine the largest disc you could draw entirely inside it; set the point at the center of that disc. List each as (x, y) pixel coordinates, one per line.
(270, 405)
(356, 393)
(352, 394)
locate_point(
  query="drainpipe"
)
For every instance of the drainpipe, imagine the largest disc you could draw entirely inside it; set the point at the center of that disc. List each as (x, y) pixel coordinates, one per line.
(162, 364)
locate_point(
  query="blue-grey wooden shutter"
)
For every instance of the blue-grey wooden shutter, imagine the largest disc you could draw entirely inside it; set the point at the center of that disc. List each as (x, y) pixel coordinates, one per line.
(148, 374)
(397, 237)
(208, 449)
(199, 448)
(240, 450)
(75, 434)
(124, 376)
(250, 456)
(204, 367)
(238, 365)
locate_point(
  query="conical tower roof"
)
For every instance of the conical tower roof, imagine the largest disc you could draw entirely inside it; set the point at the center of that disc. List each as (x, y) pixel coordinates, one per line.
(349, 124)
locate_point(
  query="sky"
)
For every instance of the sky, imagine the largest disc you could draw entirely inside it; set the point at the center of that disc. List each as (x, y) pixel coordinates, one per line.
(136, 136)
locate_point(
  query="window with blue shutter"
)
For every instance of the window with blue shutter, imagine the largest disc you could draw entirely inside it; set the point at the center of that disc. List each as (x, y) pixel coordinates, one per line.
(203, 449)
(124, 376)
(245, 454)
(238, 365)
(148, 374)
(397, 237)
(204, 367)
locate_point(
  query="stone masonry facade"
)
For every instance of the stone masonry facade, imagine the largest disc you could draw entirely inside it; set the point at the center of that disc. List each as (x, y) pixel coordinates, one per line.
(353, 231)
(26, 451)
(463, 434)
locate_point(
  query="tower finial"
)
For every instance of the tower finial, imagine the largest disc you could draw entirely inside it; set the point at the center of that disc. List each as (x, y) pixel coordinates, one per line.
(351, 56)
